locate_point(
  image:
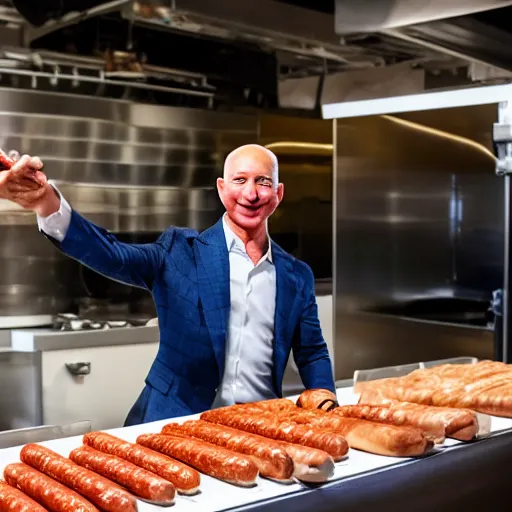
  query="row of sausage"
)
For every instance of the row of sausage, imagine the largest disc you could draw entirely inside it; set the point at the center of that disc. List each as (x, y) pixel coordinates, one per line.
(109, 474)
(274, 439)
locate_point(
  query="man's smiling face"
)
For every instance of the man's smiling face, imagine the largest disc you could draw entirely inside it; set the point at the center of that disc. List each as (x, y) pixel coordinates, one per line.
(249, 190)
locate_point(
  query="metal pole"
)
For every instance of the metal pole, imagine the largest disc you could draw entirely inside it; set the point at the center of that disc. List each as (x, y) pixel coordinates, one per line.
(502, 135)
(497, 309)
(507, 271)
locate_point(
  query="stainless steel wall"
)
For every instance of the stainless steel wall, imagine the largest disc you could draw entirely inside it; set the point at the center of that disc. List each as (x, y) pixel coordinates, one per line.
(419, 234)
(132, 168)
(302, 224)
(35, 280)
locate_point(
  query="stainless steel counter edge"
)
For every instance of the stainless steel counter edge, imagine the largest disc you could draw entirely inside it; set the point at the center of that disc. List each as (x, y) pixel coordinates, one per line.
(44, 340)
(473, 477)
(5, 338)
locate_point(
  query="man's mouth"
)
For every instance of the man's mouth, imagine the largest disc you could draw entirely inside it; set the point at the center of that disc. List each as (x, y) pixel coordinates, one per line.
(250, 207)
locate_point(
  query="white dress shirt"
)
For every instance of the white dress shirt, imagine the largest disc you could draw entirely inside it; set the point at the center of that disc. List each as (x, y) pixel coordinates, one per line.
(56, 225)
(250, 334)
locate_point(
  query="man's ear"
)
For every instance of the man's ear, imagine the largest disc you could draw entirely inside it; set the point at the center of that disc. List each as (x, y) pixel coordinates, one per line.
(220, 187)
(280, 191)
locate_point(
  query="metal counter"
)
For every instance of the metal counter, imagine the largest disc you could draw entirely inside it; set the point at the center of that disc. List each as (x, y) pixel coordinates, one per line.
(5, 338)
(471, 478)
(56, 377)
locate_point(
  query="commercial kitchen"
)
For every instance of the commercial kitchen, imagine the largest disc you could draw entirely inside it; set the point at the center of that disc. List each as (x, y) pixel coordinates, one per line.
(392, 126)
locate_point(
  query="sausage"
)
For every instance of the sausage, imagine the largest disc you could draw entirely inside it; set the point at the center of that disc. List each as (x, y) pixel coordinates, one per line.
(272, 461)
(276, 405)
(310, 464)
(368, 436)
(280, 429)
(106, 495)
(385, 413)
(465, 434)
(46, 491)
(273, 404)
(317, 399)
(140, 482)
(13, 500)
(439, 422)
(185, 479)
(212, 460)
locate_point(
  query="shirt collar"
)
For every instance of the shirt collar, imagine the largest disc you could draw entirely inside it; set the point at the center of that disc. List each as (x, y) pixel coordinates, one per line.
(232, 241)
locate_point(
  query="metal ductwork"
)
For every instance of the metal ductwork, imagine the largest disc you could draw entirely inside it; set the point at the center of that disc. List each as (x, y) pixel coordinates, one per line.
(363, 16)
(268, 24)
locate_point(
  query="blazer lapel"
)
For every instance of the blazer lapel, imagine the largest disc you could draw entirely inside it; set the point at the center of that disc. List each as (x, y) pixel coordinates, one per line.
(213, 282)
(286, 293)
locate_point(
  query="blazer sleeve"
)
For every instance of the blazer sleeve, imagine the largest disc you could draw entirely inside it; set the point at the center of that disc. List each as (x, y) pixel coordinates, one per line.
(310, 351)
(98, 249)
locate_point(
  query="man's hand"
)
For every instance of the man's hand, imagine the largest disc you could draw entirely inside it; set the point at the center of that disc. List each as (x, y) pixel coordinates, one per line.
(25, 184)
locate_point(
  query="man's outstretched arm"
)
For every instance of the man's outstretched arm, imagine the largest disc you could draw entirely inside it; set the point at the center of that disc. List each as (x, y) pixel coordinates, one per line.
(133, 264)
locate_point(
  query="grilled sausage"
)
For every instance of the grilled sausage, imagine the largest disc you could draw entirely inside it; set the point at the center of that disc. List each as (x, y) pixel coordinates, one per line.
(317, 399)
(106, 495)
(439, 422)
(310, 464)
(185, 479)
(273, 404)
(384, 413)
(140, 482)
(280, 429)
(212, 460)
(369, 436)
(273, 462)
(46, 491)
(13, 500)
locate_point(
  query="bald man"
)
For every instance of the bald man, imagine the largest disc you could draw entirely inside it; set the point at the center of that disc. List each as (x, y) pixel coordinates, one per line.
(231, 303)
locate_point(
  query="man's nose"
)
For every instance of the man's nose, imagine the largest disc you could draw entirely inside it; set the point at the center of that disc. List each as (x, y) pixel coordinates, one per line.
(250, 192)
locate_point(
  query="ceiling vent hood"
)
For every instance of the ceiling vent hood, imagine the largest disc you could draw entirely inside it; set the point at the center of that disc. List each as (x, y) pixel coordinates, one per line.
(353, 16)
(451, 27)
(271, 25)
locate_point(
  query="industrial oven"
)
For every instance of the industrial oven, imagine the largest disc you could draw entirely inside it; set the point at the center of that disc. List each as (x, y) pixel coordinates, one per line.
(421, 220)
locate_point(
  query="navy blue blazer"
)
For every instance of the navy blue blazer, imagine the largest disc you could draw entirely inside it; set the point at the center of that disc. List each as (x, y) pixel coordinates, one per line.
(188, 275)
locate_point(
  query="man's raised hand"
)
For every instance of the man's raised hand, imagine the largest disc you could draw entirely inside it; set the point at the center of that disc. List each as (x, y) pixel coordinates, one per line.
(26, 184)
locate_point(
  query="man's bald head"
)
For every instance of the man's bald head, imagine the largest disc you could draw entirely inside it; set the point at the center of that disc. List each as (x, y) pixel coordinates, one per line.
(250, 189)
(256, 152)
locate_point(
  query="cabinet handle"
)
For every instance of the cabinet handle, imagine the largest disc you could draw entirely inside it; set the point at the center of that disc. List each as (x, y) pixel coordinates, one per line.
(78, 369)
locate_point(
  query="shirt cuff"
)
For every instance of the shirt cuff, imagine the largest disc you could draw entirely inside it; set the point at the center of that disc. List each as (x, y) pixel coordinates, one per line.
(56, 225)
